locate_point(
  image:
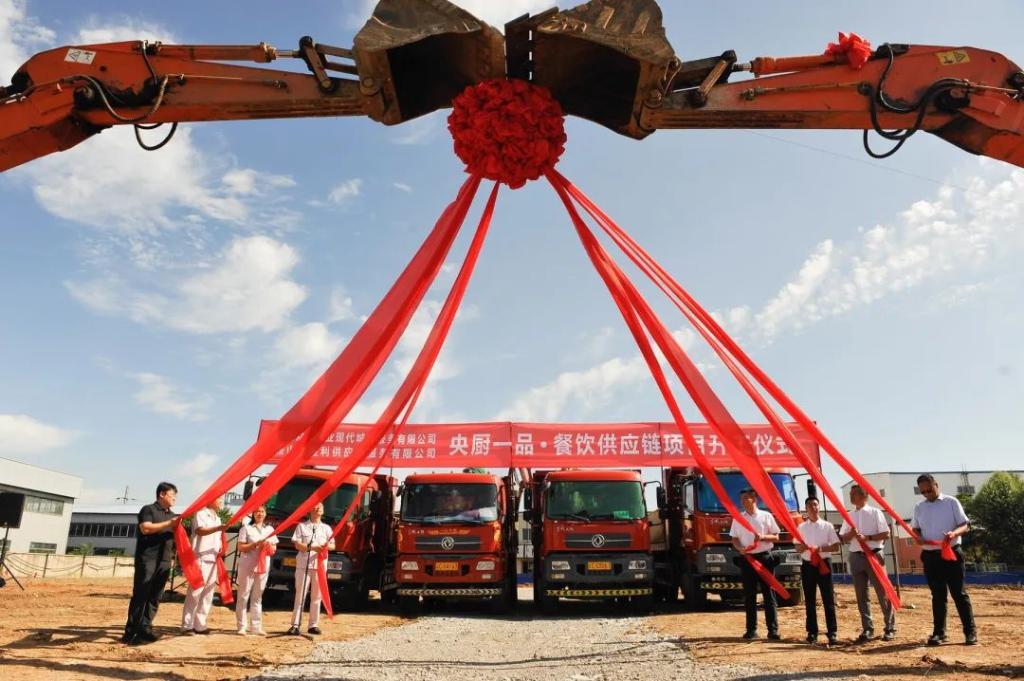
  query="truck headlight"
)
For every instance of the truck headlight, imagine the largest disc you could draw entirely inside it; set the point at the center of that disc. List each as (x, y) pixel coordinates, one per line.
(714, 558)
(410, 565)
(485, 565)
(560, 565)
(793, 558)
(637, 565)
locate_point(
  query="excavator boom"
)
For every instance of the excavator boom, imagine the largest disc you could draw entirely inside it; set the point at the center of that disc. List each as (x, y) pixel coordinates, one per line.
(608, 61)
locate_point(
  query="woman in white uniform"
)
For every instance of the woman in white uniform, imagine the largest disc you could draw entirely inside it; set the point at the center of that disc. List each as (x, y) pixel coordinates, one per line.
(255, 541)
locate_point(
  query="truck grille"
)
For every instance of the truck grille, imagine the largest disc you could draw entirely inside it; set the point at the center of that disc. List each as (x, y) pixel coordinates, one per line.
(447, 543)
(611, 540)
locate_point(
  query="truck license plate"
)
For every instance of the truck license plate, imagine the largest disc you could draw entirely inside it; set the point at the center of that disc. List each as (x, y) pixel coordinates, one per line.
(288, 562)
(446, 566)
(598, 565)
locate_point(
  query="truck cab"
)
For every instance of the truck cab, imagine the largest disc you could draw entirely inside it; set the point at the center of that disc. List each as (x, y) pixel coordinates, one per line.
(591, 537)
(361, 548)
(456, 539)
(701, 558)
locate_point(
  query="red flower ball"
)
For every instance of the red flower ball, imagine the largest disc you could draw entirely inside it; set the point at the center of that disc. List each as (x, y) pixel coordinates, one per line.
(510, 131)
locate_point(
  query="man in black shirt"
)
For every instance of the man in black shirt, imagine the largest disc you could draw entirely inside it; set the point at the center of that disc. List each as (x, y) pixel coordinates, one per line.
(154, 550)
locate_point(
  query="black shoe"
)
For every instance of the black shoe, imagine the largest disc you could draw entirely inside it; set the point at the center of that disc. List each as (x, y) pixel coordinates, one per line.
(971, 638)
(936, 639)
(889, 636)
(864, 637)
(774, 636)
(293, 631)
(812, 638)
(833, 640)
(147, 637)
(314, 630)
(750, 635)
(129, 637)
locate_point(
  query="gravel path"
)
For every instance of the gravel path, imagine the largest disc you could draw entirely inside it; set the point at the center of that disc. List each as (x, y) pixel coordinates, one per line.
(457, 646)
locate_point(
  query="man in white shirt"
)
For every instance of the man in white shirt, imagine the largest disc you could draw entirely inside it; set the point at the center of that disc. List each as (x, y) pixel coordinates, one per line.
(870, 529)
(820, 537)
(758, 545)
(940, 518)
(309, 538)
(207, 530)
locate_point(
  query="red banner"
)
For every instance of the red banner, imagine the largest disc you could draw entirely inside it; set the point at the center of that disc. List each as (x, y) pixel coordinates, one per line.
(552, 445)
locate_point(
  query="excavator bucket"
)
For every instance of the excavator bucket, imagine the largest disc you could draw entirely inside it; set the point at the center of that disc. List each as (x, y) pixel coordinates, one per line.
(415, 56)
(604, 59)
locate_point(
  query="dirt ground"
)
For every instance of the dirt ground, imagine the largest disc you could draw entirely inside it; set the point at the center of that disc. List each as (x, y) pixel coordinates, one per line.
(69, 630)
(714, 637)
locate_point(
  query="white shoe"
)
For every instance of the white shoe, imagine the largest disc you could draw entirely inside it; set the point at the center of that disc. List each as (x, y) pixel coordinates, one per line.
(258, 632)
(242, 632)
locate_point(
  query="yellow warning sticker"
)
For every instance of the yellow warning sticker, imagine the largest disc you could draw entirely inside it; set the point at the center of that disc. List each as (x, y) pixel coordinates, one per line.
(953, 57)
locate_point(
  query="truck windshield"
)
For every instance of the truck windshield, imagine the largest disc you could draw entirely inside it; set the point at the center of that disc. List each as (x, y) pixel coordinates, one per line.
(735, 482)
(450, 503)
(289, 497)
(595, 500)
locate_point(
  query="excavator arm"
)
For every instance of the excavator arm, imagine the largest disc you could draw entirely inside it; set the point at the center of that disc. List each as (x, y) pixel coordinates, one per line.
(608, 61)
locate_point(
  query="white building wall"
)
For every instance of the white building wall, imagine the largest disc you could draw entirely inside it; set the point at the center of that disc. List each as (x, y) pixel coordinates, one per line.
(43, 528)
(899, 489)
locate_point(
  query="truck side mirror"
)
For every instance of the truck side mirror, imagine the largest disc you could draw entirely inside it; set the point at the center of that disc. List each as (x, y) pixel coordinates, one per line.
(401, 490)
(528, 504)
(662, 497)
(247, 490)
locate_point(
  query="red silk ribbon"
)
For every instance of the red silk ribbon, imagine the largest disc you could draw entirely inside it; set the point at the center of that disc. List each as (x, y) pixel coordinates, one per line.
(853, 48)
(730, 353)
(263, 564)
(223, 577)
(947, 551)
(187, 558)
(819, 562)
(321, 578)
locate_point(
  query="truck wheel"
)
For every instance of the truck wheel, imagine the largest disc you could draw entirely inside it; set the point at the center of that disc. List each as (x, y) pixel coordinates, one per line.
(696, 597)
(796, 597)
(409, 606)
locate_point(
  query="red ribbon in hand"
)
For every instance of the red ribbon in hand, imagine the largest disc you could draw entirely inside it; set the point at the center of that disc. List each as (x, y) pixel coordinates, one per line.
(855, 49)
(321, 578)
(223, 578)
(187, 558)
(266, 551)
(947, 551)
(765, 574)
(819, 562)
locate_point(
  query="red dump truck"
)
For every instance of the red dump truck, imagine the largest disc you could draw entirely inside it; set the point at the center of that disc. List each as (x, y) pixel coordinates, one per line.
(591, 537)
(357, 563)
(695, 552)
(455, 539)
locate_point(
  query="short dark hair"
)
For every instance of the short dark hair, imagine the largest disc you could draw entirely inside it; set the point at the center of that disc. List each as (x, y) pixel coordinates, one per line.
(926, 477)
(857, 487)
(748, 490)
(166, 487)
(810, 499)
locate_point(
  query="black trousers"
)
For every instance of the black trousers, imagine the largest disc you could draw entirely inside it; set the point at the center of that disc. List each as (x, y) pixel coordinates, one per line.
(147, 590)
(947, 576)
(812, 582)
(751, 583)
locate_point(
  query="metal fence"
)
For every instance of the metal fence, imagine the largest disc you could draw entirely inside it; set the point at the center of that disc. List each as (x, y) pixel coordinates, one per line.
(53, 566)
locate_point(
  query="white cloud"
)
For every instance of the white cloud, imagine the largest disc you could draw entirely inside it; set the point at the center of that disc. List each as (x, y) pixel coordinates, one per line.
(20, 34)
(22, 434)
(340, 306)
(958, 295)
(956, 232)
(198, 465)
(401, 186)
(343, 192)
(589, 390)
(246, 288)
(159, 395)
(127, 28)
(310, 345)
(422, 130)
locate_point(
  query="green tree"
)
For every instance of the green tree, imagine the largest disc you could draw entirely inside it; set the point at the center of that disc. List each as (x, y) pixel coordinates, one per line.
(82, 549)
(997, 517)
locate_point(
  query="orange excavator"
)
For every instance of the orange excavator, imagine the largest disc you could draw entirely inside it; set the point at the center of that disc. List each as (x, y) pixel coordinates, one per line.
(608, 61)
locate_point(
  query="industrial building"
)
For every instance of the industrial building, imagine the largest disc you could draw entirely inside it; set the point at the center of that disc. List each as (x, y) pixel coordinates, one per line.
(46, 514)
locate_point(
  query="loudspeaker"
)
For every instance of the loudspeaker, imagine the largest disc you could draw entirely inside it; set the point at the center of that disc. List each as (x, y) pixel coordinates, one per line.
(11, 506)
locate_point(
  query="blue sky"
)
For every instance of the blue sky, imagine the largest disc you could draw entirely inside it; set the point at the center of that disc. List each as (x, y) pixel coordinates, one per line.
(158, 305)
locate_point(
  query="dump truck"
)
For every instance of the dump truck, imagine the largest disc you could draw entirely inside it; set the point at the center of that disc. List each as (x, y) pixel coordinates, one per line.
(361, 548)
(591, 537)
(456, 539)
(697, 557)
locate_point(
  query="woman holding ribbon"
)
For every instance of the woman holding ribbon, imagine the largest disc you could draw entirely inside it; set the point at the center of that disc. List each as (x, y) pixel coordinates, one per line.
(256, 543)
